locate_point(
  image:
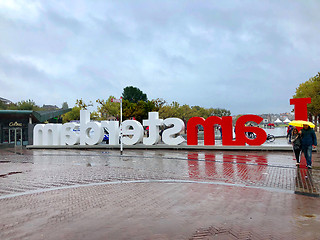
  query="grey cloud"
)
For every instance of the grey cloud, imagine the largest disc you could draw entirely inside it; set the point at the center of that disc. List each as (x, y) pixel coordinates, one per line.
(60, 21)
(16, 69)
(244, 56)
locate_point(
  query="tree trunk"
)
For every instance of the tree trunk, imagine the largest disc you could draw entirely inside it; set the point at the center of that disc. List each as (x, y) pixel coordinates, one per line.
(316, 123)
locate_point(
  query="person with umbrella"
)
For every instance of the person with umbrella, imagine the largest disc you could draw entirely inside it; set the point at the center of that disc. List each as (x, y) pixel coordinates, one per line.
(296, 144)
(308, 139)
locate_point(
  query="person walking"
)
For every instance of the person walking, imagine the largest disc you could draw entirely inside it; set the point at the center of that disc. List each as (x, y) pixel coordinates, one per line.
(289, 133)
(220, 130)
(250, 134)
(296, 144)
(308, 140)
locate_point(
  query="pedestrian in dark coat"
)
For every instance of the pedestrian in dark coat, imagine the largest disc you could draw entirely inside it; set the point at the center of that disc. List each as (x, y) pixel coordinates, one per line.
(289, 133)
(308, 141)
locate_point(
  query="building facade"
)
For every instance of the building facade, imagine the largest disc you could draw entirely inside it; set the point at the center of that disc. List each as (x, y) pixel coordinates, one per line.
(16, 126)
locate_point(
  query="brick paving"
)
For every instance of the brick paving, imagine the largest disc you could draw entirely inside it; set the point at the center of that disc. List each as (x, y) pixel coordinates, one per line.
(58, 194)
(46, 169)
(159, 210)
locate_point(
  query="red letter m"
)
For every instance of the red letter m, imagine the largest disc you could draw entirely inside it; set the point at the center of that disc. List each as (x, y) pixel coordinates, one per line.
(226, 125)
(208, 130)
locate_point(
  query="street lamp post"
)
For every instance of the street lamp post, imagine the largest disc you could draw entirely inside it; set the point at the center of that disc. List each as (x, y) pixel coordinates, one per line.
(121, 144)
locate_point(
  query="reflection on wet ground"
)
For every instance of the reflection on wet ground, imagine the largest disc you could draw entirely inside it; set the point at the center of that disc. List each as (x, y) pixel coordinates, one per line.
(152, 194)
(42, 169)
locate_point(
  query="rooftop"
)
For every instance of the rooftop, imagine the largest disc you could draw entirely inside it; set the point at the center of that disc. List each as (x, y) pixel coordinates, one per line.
(39, 116)
(5, 100)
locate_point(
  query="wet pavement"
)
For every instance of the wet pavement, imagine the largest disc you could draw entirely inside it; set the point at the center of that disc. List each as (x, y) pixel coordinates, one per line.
(155, 194)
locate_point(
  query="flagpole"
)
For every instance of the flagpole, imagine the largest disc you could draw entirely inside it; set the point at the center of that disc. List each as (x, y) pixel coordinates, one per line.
(121, 144)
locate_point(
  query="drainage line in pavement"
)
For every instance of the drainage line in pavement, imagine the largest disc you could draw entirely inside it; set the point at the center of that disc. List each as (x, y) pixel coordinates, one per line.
(142, 181)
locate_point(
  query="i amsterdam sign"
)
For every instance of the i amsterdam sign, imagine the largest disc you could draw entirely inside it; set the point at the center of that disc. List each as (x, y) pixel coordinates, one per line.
(133, 131)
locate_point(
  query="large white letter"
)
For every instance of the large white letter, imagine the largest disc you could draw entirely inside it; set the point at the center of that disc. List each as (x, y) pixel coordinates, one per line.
(86, 126)
(46, 134)
(136, 132)
(154, 123)
(38, 134)
(168, 135)
(113, 130)
(68, 136)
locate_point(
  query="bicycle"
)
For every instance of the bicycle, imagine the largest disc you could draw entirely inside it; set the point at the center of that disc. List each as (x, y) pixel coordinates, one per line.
(270, 138)
(251, 135)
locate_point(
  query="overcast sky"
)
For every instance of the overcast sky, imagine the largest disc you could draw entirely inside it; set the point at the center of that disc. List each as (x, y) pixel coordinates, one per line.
(245, 56)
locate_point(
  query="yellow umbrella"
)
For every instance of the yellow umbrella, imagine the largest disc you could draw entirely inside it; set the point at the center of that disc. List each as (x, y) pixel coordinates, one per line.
(300, 123)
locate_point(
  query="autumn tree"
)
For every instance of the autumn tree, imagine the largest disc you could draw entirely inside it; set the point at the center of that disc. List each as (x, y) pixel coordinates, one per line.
(185, 112)
(158, 103)
(311, 89)
(74, 114)
(138, 110)
(3, 105)
(168, 111)
(107, 108)
(220, 112)
(24, 105)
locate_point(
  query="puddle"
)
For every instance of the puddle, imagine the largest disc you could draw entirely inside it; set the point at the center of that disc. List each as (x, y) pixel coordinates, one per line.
(303, 219)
